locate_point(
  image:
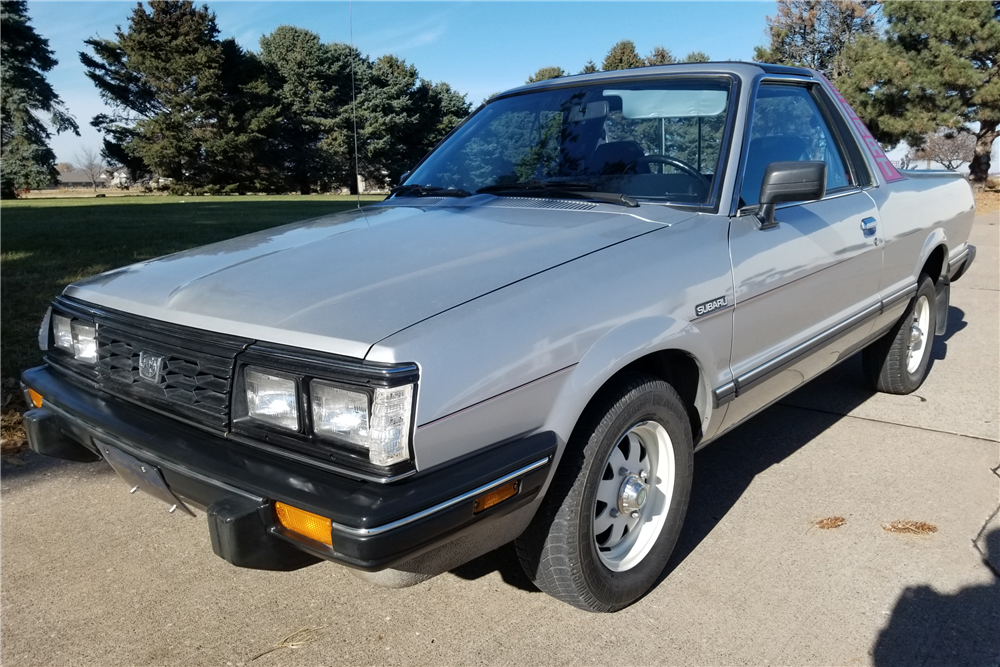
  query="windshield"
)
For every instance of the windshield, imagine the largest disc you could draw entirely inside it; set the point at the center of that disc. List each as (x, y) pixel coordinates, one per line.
(649, 139)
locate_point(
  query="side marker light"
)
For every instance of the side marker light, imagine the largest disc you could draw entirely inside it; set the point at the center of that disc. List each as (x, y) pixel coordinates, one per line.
(36, 398)
(495, 496)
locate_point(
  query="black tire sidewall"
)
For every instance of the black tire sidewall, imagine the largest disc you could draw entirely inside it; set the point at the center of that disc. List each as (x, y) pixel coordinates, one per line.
(916, 378)
(654, 401)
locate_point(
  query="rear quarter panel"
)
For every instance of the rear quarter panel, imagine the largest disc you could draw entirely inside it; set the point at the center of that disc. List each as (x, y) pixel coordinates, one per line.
(917, 214)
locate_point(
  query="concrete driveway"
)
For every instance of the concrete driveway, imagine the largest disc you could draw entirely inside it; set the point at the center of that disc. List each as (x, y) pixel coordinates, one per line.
(93, 576)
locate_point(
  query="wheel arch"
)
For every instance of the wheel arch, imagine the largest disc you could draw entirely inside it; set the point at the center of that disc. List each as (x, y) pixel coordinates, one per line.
(933, 259)
(665, 348)
(935, 265)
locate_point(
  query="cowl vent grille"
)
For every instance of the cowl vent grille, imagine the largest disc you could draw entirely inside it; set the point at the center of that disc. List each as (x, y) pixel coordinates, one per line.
(531, 202)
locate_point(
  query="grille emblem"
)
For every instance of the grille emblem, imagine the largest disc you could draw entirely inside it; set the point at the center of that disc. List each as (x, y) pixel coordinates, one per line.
(150, 366)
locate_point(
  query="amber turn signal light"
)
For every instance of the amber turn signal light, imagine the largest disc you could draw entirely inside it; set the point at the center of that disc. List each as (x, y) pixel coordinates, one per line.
(307, 524)
(495, 497)
(36, 398)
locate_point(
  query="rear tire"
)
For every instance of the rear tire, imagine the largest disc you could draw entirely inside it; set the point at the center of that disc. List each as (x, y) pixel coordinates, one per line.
(614, 510)
(897, 363)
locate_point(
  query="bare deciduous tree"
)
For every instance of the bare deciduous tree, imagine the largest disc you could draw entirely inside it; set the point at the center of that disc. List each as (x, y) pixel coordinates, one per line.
(950, 149)
(90, 162)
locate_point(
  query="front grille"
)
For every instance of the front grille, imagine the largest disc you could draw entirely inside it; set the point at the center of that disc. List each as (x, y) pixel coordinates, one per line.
(193, 383)
(193, 379)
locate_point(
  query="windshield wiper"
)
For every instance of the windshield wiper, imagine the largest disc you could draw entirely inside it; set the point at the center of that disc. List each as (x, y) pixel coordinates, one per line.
(559, 189)
(428, 191)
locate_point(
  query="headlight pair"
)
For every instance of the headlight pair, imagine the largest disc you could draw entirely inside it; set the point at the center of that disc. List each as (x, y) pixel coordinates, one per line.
(78, 337)
(376, 419)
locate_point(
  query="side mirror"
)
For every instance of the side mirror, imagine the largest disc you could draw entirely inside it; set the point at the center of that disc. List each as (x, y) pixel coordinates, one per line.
(789, 181)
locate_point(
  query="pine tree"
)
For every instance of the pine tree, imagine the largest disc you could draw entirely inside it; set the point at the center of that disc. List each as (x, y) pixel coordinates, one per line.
(26, 161)
(589, 68)
(546, 73)
(814, 33)
(660, 56)
(186, 104)
(938, 67)
(697, 57)
(622, 56)
(312, 86)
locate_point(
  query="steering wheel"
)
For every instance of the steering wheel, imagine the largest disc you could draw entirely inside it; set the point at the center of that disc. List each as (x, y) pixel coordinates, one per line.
(677, 163)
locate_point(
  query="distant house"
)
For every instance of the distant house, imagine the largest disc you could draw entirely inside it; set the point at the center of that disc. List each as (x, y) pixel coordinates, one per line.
(80, 179)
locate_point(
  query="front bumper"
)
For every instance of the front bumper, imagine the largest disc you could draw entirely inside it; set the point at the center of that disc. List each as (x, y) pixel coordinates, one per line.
(375, 526)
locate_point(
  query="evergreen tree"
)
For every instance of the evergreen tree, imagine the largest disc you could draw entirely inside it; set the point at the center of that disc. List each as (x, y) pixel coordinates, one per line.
(340, 144)
(814, 33)
(589, 68)
(660, 56)
(445, 109)
(546, 73)
(401, 117)
(186, 104)
(312, 86)
(622, 56)
(697, 57)
(26, 161)
(938, 67)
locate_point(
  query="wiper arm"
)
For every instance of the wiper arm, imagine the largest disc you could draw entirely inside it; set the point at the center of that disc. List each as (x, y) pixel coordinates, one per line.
(428, 191)
(560, 189)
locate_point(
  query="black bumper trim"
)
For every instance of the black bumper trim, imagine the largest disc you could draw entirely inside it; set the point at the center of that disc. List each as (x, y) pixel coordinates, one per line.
(377, 525)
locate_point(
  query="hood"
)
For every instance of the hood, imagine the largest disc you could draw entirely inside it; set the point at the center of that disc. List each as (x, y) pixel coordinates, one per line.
(343, 282)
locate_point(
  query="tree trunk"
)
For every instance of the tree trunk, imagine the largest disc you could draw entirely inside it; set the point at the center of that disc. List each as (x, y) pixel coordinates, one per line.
(979, 168)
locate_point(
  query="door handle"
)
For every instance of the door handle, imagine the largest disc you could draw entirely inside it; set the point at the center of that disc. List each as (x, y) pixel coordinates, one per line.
(868, 226)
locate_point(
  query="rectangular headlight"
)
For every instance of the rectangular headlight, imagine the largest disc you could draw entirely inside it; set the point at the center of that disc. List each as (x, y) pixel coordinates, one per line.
(77, 337)
(272, 399)
(62, 332)
(340, 413)
(84, 341)
(383, 428)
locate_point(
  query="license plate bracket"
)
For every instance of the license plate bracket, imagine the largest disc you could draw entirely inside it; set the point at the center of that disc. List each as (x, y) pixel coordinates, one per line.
(141, 477)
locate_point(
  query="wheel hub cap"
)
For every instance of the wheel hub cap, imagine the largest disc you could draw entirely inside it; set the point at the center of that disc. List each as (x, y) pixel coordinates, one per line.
(632, 494)
(920, 334)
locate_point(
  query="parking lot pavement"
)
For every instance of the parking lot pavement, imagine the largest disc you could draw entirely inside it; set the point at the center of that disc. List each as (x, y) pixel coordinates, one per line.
(94, 576)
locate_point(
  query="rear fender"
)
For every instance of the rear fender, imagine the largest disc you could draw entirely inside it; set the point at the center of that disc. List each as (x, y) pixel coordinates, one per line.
(936, 237)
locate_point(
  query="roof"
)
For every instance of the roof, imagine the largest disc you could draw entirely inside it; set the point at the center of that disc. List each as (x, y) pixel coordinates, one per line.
(741, 69)
(79, 176)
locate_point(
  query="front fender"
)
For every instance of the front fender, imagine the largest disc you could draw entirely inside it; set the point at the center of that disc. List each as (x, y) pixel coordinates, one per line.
(624, 345)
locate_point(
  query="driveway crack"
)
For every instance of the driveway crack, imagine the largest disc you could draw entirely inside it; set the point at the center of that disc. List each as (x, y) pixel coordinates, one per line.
(883, 421)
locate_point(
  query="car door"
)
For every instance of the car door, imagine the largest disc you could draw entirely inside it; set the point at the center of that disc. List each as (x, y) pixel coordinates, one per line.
(806, 290)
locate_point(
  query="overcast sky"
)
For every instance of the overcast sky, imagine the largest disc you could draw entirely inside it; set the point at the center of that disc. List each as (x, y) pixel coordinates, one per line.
(478, 47)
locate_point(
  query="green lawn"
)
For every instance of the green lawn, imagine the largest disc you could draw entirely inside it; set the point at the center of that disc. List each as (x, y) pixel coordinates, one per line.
(47, 243)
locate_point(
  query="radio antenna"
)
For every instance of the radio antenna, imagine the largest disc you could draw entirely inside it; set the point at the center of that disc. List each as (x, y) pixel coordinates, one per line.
(354, 107)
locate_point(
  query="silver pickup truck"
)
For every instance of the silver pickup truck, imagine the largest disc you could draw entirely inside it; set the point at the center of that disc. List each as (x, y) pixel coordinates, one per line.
(587, 281)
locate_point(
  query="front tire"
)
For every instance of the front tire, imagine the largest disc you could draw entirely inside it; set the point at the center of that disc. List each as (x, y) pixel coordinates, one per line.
(609, 522)
(897, 363)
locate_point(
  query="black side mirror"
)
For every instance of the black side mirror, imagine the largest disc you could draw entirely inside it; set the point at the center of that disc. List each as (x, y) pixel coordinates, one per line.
(789, 181)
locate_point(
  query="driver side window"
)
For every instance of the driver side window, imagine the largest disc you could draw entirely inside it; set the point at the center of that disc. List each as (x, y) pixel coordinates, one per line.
(788, 126)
